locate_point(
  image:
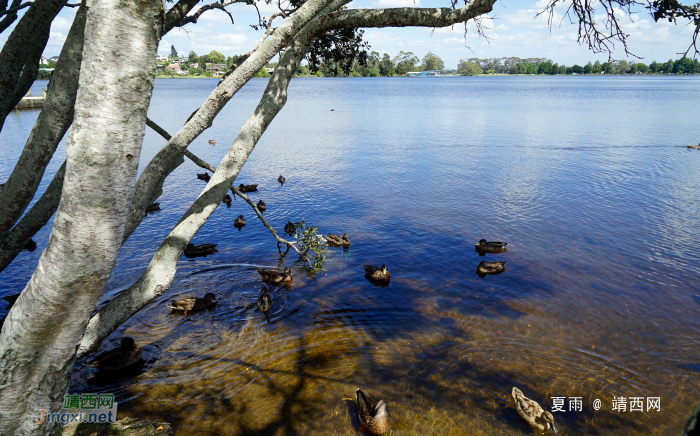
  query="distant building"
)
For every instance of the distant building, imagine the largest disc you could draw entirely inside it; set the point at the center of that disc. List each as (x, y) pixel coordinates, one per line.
(194, 65)
(44, 61)
(161, 58)
(423, 73)
(184, 59)
(54, 58)
(216, 70)
(269, 70)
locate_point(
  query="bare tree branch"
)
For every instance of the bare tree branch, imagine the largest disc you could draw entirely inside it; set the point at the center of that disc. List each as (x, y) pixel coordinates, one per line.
(589, 32)
(15, 8)
(20, 55)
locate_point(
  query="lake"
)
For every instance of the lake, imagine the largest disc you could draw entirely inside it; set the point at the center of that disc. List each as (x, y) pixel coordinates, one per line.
(587, 178)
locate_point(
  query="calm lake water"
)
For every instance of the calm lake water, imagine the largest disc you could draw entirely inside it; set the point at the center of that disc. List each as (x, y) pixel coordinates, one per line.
(587, 178)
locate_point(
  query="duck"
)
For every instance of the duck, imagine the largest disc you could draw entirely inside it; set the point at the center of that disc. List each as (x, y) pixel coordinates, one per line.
(247, 188)
(495, 267)
(491, 247)
(289, 228)
(10, 300)
(227, 200)
(127, 354)
(379, 275)
(204, 176)
(281, 179)
(212, 142)
(373, 414)
(193, 303)
(532, 412)
(262, 207)
(338, 241)
(265, 303)
(276, 277)
(200, 250)
(152, 208)
(30, 245)
(239, 222)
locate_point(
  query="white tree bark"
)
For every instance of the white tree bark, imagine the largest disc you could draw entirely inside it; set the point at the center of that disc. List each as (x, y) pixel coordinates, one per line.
(150, 184)
(42, 331)
(161, 270)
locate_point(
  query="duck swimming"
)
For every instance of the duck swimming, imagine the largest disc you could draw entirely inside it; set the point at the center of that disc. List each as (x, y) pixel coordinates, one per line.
(239, 222)
(227, 200)
(532, 412)
(281, 179)
(193, 304)
(262, 207)
(204, 176)
(337, 241)
(247, 188)
(200, 250)
(276, 277)
(289, 228)
(30, 245)
(152, 208)
(373, 414)
(265, 303)
(491, 247)
(212, 142)
(127, 354)
(377, 275)
(495, 267)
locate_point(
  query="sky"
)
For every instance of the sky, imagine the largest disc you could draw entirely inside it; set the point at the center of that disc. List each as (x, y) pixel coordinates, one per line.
(512, 30)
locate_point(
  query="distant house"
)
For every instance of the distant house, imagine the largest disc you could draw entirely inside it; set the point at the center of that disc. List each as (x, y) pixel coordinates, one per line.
(194, 65)
(269, 70)
(216, 70)
(161, 58)
(48, 70)
(184, 59)
(53, 59)
(44, 61)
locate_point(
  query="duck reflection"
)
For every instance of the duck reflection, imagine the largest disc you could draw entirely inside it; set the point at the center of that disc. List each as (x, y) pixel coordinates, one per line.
(491, 268)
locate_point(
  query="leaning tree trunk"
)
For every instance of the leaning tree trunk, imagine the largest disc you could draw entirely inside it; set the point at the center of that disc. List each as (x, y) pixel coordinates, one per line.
(42, 331)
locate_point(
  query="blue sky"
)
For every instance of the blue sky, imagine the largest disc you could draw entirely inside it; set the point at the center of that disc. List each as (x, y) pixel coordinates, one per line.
(513, 30)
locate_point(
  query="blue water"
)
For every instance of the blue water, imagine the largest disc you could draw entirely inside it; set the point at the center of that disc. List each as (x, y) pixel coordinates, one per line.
(588, 179)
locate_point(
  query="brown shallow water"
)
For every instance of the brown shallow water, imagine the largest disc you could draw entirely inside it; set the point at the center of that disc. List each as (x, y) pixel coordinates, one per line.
(599, 299)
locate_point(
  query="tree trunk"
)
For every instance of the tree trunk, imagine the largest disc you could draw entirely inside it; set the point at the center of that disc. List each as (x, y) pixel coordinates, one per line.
(50, 126)
(42, 331)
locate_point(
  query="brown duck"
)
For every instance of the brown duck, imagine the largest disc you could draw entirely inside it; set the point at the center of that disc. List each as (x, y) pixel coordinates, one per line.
(239, 222)
(227, 200)
(495, 267)
(338, 241)
(491, 247)
(373, 414)
(532, 412)
(281, 179)
(193, 304)
(212, 142)
(377, 275)
(289, 228)
(276, 277)
(262, 207)
(200, 250)
(247, 188)
(204, 176)
(265, 303)
(127, 354)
